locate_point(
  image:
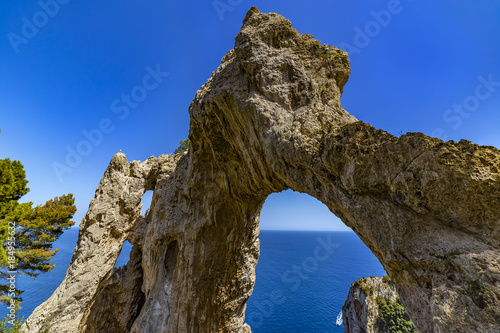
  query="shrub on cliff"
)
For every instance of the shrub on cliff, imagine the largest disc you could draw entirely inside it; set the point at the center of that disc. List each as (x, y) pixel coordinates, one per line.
(393, 317)
(183, 147)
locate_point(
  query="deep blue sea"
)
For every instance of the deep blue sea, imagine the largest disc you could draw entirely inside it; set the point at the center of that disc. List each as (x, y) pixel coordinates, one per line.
(302, 279)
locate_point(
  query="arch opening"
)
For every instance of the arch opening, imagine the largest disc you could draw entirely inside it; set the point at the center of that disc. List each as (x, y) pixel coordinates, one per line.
(146, 200)
(124, 256)
(308, 260)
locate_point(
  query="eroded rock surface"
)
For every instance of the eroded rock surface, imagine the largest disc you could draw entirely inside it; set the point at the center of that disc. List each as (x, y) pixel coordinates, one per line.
(270, 119)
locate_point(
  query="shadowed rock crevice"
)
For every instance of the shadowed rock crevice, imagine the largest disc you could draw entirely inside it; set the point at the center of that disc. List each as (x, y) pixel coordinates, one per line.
(270, 119)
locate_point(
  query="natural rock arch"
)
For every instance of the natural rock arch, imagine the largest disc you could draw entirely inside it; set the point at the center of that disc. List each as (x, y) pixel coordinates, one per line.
(270, 119)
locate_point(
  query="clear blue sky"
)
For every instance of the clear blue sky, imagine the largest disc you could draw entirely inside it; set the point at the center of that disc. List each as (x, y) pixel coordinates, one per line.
(64, 70)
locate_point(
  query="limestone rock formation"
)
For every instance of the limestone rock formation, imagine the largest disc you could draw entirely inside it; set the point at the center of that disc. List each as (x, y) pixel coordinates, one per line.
(270, 119)
(112, 214)
(360, 310)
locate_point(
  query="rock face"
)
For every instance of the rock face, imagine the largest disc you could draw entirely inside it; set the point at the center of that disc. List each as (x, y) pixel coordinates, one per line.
(113, 213)
(360, 310)
(270, 119)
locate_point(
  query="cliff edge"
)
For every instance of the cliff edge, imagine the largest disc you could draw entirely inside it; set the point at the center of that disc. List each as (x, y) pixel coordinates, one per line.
(373, 306)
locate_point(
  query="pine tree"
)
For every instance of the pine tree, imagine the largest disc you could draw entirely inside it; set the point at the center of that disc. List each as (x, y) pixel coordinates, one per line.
(183, 147)
(27, 232)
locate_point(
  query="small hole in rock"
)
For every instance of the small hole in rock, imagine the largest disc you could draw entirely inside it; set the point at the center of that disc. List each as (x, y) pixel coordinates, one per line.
(146, 201)
(124, 256)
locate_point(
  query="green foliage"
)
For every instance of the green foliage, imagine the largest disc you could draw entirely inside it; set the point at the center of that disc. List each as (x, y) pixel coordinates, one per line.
(8, 325)
(12, 324)
(27, 233)
(12, 185)
(184, 146)
(449, 256)
(326, 54)
(387, 279)
(474, 284)
(37, 228)
(393, 317)
(361, 284)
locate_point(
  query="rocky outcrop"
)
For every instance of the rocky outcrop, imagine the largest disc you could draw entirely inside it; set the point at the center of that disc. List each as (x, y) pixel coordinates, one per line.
(360, 310)
(112, 214)
(270, 119)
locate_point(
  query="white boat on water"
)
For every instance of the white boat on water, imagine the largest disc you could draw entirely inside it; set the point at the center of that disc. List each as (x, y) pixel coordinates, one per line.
(339, 319)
